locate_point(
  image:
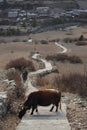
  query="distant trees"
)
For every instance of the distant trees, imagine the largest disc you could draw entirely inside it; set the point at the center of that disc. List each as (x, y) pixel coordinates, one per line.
(34, 23)
(4, 3)
(9, 32)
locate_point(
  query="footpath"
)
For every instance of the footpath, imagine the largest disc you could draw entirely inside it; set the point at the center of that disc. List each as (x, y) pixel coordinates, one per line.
(44, 120)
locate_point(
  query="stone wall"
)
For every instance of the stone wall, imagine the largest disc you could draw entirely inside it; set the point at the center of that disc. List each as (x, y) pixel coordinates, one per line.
(5, 86)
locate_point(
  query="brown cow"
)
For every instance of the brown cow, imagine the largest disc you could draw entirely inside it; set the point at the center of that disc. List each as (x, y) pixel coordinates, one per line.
(42, 97)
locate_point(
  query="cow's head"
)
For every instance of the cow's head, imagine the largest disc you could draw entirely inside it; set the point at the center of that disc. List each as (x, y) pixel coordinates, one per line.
(22, 109)
(21, 113)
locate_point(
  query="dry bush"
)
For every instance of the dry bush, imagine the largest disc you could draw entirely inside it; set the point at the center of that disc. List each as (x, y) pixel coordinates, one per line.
(70, 40)
(74, 83)
(20, 64)
(58, 57)
(44, 42)
(40, 82)
(64, 57)
(54, 40)
(81, 43)
(74, 59)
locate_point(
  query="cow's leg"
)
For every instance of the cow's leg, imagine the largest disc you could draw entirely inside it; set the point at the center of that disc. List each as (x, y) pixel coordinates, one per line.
(57, 108)
(33, 108)
(36, 109)
(52, 108)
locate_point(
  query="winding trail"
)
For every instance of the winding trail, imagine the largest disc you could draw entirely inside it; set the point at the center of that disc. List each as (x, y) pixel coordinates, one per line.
(47, 64)
(44, 120)
(61, 46)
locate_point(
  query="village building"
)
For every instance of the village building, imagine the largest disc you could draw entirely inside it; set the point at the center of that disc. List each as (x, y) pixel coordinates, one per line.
(31, 15)
(42, 10)
(13, 13)
(7, 0)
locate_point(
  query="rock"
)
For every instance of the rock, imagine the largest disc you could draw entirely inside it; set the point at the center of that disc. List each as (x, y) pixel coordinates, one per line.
(5, 86)
(71, 106)
(66, 100)
(2, 75)
(10, 84)
(3, 104)
(55, 69)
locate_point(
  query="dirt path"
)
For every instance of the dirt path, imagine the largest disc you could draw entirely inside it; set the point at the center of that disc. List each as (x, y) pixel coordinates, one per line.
(44, 120)
(64, 49)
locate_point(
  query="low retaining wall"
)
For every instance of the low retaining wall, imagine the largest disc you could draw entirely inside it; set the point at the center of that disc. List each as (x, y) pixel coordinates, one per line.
(5, 85)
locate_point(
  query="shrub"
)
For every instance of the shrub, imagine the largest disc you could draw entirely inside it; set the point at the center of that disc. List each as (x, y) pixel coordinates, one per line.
(44, 42)
(58, 57)
(70, 40)
(74, 59)
(16, 40)
(81, 38)
(64, 57)
(20, 64)
(74, 83)
(81, 43)
(25, 40)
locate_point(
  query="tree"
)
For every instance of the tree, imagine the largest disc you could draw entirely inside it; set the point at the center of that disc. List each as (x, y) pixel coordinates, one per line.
(34, 23)
(81, 38)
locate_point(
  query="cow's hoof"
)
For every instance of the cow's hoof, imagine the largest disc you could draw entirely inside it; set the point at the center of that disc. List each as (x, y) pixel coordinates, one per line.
(31, 113)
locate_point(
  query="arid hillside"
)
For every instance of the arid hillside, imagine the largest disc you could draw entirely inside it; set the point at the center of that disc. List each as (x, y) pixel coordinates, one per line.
(10, 50)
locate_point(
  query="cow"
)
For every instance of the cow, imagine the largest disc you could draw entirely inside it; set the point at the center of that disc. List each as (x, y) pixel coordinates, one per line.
(44, 97)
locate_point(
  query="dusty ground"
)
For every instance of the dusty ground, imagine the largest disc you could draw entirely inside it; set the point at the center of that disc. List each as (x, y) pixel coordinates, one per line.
(10, 51)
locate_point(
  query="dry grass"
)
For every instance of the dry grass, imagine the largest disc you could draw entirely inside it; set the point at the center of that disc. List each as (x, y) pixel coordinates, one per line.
(41, 82)
(67, 68)
(12, 51)
(74, 83)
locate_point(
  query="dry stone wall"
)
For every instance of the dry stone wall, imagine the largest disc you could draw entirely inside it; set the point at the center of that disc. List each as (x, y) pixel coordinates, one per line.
(5, 86)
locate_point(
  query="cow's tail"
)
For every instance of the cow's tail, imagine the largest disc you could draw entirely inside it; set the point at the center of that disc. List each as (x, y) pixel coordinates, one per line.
(60, 103)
